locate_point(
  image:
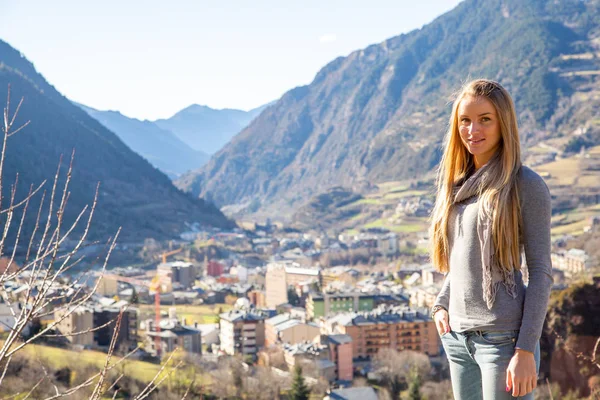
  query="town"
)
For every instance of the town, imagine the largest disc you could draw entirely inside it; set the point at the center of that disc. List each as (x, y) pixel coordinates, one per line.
(269, 298)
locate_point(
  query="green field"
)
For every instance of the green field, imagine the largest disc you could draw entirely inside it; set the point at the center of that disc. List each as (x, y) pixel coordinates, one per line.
(404, 193)
(563, 172)
(572, 171)
(414, 225)
(573, 222)
(385, 199)
(59, 358)
(369, 200)
(90, 362)
(203, 314)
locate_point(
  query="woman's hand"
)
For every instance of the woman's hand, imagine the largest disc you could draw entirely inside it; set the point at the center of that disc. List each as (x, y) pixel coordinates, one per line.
(441, 321)
(521, 375)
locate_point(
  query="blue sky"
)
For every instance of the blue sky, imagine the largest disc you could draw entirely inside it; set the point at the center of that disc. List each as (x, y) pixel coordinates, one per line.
(149, 59)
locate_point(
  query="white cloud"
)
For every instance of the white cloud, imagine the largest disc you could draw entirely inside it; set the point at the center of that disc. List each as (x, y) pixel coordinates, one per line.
(328, 38)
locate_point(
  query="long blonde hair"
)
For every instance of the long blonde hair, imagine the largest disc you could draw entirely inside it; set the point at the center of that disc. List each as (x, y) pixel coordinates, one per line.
(501, 197)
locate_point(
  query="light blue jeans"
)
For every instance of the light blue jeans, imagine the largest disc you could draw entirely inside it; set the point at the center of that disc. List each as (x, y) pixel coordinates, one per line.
(478, 362)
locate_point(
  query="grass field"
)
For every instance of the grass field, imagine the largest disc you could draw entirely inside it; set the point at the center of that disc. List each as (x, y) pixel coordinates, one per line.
(573, 222)
(572, 170)
(403, 227)
(386, 198)
(589, 181)
(392, 186)
(562, 172)
(368, 201)
(402, 194)
(575, 228)
(90, 362)
(59, 358)
(203, 314)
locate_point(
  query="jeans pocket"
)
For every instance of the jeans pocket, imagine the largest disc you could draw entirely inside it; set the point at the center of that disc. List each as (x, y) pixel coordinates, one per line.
(498, 337)
(446, 335)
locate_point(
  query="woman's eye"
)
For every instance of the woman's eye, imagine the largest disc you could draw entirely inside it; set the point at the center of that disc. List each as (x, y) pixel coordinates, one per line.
(485, 119)
(464, 120)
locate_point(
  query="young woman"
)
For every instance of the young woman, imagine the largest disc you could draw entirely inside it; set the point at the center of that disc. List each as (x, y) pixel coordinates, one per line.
(489, 209)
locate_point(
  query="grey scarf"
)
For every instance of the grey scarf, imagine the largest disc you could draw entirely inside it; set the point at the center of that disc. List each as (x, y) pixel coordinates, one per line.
(475, 184)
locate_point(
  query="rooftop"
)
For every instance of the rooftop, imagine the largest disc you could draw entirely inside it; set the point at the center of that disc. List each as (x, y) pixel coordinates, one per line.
(241, 315)
(340, 339)
(304, 348)
(339, 295)
(302, 271)
(383, 314)
(278, 319)
(356, 393)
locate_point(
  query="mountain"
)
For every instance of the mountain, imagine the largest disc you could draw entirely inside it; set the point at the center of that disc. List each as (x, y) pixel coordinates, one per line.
(326, 209)
(380, 113)
(133, 194)
(162, 148)
(206, 129)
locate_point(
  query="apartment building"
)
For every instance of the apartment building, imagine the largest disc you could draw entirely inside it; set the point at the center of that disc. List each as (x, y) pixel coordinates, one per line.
(313, 353)
(430, 277)
(214, 268)
(284, 328)
(396, 327)
(423, 296)
(181, 273)
(388, 244)
(280, 276)
(257, 298)
(340, 353)
(76, 325)
(572, 262)
(172, 334)
(104, 324)
(242, 332)
(339, 274)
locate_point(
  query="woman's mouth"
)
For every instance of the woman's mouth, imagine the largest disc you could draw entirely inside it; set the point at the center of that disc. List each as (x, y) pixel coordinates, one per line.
(476, 141)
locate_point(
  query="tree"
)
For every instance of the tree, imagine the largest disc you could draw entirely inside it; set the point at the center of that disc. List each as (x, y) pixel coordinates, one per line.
(394, 368)
(293, 298)
(47, 247)
(414, 388)
(299, 390)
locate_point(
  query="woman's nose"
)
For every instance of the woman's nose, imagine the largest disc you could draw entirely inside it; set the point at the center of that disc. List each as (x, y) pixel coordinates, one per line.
(474, 128)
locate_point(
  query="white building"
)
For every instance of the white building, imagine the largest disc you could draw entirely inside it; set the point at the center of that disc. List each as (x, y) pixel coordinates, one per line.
(572, 262)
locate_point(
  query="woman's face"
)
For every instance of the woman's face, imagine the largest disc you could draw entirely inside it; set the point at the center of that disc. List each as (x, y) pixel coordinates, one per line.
(479, 128)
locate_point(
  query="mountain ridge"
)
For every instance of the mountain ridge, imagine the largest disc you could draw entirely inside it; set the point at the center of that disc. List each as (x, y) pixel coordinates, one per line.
(207, 129)
(133, 194)
(160, 147)
(380, 113)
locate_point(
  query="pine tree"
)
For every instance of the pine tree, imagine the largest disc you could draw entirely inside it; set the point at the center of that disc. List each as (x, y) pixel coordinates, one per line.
(299, 390)
(414, 388)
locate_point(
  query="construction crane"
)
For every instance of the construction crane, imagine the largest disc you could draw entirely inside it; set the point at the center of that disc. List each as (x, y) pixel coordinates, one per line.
(155, 285)
(170, 253)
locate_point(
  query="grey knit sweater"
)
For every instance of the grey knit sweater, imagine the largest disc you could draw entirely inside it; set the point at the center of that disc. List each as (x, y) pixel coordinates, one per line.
(462, 292)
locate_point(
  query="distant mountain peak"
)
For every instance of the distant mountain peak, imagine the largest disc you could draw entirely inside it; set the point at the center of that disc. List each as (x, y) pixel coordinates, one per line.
(159, 146)
(207, 129)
